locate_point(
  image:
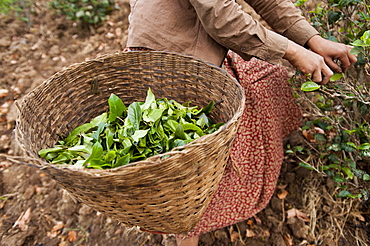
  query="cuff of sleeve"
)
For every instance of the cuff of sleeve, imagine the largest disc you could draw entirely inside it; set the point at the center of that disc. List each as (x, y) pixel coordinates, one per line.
(300, 32)
(274, 49)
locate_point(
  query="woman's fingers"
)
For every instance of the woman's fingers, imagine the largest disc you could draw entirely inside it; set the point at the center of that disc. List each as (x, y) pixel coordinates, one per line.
(335, 67)
(322, 74)
(327, 73)
(309, 63)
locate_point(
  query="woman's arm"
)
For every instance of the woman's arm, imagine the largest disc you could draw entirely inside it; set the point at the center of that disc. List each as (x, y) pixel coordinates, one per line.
(284, 18)
(234, 29)
(227, 24)
(287, 20)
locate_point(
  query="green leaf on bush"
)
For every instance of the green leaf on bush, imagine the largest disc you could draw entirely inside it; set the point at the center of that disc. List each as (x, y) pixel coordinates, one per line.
(366, 37)
(344, 193)
(366, 177)
(336, 76)
(348, 172)
(364, 146)
(356, 50)
(305, 165)
(309, 86)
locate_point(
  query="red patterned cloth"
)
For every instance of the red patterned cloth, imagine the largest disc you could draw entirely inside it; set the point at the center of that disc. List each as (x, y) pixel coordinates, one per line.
(270, 114)
(250, 178)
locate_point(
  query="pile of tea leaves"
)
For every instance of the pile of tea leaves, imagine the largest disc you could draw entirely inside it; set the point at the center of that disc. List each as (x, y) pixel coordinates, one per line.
(128, 134)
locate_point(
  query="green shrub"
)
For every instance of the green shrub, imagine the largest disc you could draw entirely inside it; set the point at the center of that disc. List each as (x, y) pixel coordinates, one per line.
(20, 8)
(85, 12)
(338, 129)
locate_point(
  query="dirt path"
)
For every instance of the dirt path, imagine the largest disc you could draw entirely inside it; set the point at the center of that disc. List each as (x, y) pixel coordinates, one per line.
(34, 210)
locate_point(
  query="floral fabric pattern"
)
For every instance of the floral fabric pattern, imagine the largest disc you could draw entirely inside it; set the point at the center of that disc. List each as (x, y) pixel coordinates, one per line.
(250, 178)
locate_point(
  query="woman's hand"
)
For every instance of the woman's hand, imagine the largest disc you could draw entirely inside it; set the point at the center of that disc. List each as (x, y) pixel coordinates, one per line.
(332, 51)
(308, 62)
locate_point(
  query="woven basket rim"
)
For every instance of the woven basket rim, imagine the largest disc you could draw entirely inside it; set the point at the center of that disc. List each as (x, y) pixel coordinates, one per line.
(43, 164)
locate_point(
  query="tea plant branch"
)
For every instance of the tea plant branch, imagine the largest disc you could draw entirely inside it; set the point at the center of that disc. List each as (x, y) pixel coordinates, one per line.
(335, 94)
(308, 164)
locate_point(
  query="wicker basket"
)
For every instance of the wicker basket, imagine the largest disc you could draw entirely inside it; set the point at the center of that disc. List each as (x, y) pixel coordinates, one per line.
(159, 194)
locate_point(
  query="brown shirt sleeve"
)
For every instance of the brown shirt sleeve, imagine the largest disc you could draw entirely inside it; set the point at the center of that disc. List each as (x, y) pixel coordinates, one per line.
(230, 26)
(284, 18)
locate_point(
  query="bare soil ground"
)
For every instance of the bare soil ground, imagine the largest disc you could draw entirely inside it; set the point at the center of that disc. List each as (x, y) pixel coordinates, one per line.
(34, 210)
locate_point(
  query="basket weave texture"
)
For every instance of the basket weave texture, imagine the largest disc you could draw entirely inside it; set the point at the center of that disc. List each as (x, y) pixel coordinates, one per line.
(165, 193)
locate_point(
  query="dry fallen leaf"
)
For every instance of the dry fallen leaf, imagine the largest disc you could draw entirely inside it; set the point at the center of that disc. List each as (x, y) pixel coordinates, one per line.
(250, 222)
(4, 108)
(309, 136)
(53, 234)
(288, 240)
(250, 233)
(234, 236)
(282, 195)
(22, 221)
(59, 225)
(293, 212)
(4, 92)
(72, 236)
(266, 233)
(319, 130)
(258, 220)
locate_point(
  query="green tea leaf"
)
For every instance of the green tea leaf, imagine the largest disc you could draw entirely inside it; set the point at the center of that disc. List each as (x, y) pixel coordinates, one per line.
(116, 107)
(42, 153)
(80, 148)
(171, 125)
(364, 146)
(203, 121)
(96, 155)
(100, 118)
(309, 86)
(96, 135)
(207, 109)
(366, 177)
(145, 129)
(356, 50)
(134, 115)
(110, 156)
(150, 99)
(344, 193)
(109, 135)
(179, 132)
(77, 131)
(337, 76)
(306, 166)
(178, 142)
(79, 163)
(348, 172)
(139, 134)
(366, 37)
(193, 127)
(152, 115)
(122, 161)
